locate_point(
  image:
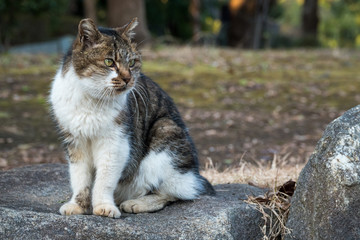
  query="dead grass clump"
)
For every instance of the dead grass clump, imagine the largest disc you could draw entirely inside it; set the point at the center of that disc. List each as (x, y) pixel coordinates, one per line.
(274, 206)
(256, 175)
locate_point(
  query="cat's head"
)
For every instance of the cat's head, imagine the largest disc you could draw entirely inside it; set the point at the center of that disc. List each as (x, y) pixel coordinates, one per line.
(106, 59)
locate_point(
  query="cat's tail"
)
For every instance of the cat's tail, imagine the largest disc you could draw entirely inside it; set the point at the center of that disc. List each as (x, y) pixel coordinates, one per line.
(206, 187)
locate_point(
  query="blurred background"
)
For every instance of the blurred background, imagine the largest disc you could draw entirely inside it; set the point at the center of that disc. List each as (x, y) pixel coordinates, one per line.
(251, 24)
(256, 81)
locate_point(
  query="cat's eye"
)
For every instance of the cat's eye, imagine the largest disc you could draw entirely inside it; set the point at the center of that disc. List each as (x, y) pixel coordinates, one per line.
(109, 62)
(132, 63)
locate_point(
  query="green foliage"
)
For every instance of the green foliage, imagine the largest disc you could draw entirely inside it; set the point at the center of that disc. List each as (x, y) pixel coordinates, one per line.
(169, 17)
(276, 11)
(340, 23)
(291, 16)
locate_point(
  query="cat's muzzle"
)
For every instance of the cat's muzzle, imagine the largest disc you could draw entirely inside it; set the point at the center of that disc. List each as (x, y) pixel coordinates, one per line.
(123, 84)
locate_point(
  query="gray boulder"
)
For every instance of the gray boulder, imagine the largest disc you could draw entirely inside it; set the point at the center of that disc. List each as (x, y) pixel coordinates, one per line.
(31, 196)
(326, 203)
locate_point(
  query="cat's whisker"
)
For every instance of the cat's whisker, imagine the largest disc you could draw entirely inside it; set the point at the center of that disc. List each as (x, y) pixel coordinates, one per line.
(106, 99)
(143, 90)
(145, 105)
(98, 97)
(141, 42)
(145, 94)
(101, 99)
(112, 98)
(112, 91)
(137, 106)
(94, 93)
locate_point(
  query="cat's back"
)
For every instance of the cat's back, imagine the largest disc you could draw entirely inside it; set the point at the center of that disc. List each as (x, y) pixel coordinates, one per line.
(157, 98)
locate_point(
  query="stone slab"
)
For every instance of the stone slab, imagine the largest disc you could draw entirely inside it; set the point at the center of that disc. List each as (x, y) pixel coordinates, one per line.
(31, 196)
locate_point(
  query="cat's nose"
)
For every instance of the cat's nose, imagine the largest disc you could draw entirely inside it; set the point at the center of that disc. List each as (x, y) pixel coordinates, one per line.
(125, 76)
(126, 79)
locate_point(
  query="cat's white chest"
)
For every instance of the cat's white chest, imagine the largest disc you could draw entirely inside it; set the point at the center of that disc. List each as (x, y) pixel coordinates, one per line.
(86, 121)
(77, 112)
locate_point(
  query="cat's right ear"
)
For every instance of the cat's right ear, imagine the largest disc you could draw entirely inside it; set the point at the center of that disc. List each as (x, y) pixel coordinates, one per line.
(127, 30)
(88, 33)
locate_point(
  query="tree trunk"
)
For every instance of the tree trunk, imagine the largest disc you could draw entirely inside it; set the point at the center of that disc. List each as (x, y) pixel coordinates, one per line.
(260, 22)
(310, 20)
(242, 24)
(122, 12)
(90, 9)
(194, 10)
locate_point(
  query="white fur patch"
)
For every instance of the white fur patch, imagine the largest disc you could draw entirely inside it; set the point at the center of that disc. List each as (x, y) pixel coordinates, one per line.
(157, 171)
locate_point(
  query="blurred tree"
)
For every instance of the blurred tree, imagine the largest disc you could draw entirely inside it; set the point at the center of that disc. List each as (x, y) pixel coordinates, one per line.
(248, 20)
(90, 9)
(194, 9)
(310, 22)
(13, 12)
(241, 26)
(260, 22)
(120, 13)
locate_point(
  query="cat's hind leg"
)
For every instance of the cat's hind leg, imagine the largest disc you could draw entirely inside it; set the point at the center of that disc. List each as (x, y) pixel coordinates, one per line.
(157, 173)
(170, 170)
(147, 203)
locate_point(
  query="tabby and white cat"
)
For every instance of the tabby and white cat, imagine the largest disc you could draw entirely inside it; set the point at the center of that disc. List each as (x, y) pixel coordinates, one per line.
(124, 138)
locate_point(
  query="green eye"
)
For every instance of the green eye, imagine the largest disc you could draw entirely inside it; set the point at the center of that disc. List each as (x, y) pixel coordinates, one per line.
(109, 62)
(132, 63)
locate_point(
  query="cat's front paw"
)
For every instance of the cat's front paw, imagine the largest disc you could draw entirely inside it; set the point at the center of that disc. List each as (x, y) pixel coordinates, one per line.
(107, 210)
(71, 209)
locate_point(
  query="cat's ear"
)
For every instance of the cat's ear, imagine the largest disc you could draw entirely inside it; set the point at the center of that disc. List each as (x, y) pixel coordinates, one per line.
(127, 30)
(88, 33)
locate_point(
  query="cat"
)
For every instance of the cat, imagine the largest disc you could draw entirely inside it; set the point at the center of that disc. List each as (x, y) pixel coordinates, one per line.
(124, 139)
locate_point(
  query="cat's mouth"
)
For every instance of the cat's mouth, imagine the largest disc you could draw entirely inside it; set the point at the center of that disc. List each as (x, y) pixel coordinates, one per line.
(122, 86)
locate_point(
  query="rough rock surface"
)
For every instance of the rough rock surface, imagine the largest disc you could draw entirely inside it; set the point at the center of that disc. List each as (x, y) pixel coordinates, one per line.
(326, 203)
(31, 196)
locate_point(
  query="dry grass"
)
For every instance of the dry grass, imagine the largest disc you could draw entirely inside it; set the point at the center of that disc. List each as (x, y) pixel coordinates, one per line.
(256, 175)
(274, 207)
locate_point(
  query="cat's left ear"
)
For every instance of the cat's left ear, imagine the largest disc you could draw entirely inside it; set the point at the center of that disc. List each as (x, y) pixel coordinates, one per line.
(127, 30)
(88, 33)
